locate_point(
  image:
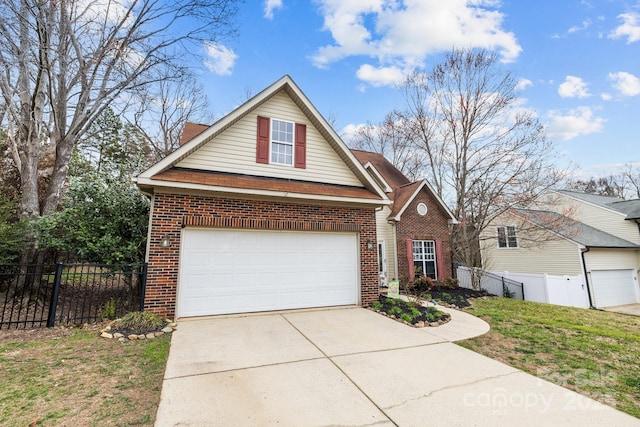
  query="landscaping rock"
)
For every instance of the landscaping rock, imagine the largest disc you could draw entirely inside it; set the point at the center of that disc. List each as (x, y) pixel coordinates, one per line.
(132, 337)
(167, 329)
(150, 335)
(118, 335)
(106, 335)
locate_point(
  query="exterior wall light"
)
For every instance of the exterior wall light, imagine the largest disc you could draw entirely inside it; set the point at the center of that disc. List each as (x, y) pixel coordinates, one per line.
(165, 242)
(369, 244)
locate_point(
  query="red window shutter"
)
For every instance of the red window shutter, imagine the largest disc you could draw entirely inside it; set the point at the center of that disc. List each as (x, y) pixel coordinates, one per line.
(300, 149)
(262, 145)
(439, 260)
(412, 273)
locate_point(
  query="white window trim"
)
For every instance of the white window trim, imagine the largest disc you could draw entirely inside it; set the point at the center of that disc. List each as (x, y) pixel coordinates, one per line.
(293, 142)
(506, 235)
(435, 257)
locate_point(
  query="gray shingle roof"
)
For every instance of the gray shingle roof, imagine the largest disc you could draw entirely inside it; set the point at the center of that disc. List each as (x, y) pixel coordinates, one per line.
(631, 208)
(575, 230)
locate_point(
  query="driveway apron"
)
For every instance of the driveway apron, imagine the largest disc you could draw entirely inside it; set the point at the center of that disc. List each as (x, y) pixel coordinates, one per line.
(352, 367)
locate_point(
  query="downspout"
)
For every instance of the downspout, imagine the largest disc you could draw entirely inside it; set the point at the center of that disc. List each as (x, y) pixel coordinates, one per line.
(586, 278)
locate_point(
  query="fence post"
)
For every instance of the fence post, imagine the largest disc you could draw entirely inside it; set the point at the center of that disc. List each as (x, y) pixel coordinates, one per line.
(143, 285)
(53, 304)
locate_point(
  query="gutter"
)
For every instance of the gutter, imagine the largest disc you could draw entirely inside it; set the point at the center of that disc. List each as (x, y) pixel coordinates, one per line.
(586, 277)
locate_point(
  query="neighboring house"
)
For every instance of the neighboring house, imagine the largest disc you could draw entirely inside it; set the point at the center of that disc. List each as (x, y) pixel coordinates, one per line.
(574, 234)
(266, 209)
(413, 232)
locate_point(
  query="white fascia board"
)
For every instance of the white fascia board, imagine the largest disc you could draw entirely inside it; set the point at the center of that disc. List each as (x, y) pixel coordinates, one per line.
(372, 170)
(452, 218)
(595, 205)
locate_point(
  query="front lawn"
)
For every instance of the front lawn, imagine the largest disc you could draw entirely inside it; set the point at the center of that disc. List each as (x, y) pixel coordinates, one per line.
(592, 352)
(71, 377)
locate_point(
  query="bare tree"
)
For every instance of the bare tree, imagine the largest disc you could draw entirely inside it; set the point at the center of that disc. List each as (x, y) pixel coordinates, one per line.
(485, 153)
(631, 177)
(612, 185)
(393, 139)
(63, 62)
(165, 106)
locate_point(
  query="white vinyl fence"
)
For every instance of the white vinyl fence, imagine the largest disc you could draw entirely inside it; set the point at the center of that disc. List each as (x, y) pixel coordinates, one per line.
(559, 290)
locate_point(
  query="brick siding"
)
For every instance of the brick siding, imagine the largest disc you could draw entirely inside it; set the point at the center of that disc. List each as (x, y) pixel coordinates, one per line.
(172, 212)
(433, 226)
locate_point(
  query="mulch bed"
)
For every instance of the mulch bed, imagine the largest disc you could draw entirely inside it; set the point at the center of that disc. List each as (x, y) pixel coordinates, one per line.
(418, 316)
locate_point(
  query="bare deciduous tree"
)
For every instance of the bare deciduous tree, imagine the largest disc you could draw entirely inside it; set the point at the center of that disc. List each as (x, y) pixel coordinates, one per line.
(394, 139)
(485, 153)
(165, 107)
(63, 62)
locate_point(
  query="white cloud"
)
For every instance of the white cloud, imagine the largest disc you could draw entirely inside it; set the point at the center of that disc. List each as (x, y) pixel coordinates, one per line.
(401, 35)
(625, 83)
(381, 76)
(270, 6)
(523, 83)
(580, 121)
(606, 96)
(630, 28)
(221, 59)
(576, 28)
(573, 87)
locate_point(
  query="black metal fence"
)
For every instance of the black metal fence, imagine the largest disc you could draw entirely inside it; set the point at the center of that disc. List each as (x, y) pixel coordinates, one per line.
(55, 294)
(492, 283)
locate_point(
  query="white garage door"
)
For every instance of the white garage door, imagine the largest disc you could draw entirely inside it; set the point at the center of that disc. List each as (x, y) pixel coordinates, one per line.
(237, 271)
(613, 287)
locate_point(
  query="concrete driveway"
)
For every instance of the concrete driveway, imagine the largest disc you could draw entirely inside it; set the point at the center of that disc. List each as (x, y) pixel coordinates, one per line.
(352, 367)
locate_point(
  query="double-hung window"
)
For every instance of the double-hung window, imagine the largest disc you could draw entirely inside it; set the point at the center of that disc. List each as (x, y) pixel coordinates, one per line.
(282, 142)
(507, 237)
(424, 258)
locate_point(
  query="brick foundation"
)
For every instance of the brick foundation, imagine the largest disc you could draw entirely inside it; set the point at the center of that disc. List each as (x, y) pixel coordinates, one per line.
(172, 212)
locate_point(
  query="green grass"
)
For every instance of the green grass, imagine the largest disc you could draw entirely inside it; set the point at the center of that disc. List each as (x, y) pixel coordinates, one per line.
(80, 379)
(592, 352)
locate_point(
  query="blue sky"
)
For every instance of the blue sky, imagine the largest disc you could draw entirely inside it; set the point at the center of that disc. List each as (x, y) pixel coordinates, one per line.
(578, 61)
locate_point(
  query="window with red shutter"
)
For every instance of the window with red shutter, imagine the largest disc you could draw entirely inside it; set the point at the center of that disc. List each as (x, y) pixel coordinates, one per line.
(263, 138)
(301, 146)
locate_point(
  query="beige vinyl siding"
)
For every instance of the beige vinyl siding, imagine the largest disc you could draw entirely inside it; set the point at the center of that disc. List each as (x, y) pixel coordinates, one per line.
(546, 253)
(611, 259)
(234, 150)
(385, 232)
(558, 257)
(603, 219)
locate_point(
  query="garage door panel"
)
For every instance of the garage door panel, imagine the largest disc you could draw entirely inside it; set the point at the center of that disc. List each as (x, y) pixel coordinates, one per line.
(613, 287)
(235, 271)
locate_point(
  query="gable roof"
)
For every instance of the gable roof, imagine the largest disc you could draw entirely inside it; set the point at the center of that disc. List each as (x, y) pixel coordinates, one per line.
(573, 230)
(401, 190)
(393, 177)
(156, 176)
(630, 208)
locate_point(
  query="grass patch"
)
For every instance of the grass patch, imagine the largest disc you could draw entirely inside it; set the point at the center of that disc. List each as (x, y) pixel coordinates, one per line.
(592, 352)
(80, 379)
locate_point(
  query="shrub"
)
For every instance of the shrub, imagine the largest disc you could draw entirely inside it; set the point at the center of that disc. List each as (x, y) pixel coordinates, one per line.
(139, 321)
(108, 311)
(449, 283)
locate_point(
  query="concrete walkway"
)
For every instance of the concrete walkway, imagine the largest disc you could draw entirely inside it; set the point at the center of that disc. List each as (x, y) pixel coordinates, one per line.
(632, 309)
(353, 367)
